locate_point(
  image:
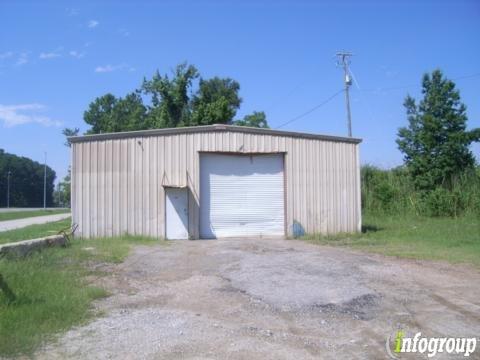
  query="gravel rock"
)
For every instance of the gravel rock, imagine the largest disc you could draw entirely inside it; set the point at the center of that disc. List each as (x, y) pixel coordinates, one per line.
(268, 299)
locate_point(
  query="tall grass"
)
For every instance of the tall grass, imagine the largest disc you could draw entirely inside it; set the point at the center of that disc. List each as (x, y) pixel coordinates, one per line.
(54, 290)
(455, 240)
(399, 220)
(391, 192)
(34, 231)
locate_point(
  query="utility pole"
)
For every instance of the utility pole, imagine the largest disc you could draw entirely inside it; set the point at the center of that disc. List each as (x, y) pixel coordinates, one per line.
(8, 188)
(343, 60)
(45, 182)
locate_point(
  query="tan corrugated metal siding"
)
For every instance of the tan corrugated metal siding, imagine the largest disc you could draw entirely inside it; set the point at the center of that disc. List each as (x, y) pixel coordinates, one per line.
(117, 184)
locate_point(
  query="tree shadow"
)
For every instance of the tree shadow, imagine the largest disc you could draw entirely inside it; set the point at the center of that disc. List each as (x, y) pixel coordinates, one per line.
(366, 228)
(21, 300)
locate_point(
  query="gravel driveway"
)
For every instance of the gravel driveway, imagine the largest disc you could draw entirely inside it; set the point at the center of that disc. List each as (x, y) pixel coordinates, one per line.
(270, 299)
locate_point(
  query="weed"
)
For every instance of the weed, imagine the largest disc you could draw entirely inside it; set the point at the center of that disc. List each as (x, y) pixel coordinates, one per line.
(52, 290)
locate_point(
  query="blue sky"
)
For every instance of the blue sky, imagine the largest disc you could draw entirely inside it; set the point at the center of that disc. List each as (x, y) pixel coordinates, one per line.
(57, 56)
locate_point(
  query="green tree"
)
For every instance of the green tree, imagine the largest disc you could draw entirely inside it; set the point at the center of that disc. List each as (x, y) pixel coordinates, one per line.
(256, 119)
(26, 181)
(110, 114)
(216, 101)
(61, 196)
(170, 101)
(70, 132)
(100, 114)
(130, 114)
(436, 143)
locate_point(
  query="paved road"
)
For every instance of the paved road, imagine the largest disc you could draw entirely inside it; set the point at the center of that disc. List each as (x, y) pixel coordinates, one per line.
(19, 223)
(4, 210)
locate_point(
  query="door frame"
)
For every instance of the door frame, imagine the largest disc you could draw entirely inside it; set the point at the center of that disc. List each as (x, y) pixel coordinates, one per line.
(165, 188)
(245, 153)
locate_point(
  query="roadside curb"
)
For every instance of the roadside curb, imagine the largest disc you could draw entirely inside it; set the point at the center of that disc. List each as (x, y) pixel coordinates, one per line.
(25, 247)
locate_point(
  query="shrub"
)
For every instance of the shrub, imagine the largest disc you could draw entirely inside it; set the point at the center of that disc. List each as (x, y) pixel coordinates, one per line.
(439, 202)
(393, 192)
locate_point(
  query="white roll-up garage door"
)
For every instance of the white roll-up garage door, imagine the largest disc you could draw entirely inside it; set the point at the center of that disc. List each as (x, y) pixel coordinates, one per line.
(241, 195)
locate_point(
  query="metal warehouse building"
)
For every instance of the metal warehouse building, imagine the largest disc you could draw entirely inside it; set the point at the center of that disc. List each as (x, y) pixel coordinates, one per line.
(215, 181)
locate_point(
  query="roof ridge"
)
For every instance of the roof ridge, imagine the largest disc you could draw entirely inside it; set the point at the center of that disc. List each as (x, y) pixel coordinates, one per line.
(208, 128)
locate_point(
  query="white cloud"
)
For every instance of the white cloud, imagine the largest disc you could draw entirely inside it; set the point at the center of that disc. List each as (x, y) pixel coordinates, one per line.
(106, 68)
(49, 55)
(76, 54)
(111, 68)
(13, 115)
(93, 24)
(22, 59)
(6, 55)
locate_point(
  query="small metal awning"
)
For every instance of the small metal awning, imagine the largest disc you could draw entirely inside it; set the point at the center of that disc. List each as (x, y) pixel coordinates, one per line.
(166, 183)
(175, 186)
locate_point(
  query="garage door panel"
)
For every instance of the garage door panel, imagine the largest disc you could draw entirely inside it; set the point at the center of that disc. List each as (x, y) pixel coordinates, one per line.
(241, 195)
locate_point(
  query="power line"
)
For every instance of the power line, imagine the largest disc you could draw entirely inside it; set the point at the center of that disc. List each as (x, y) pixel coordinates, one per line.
(354, 79)
(365, 90)
(298, 86)
(414, 85)
(311, 110)
(365, 103)
(467, 76)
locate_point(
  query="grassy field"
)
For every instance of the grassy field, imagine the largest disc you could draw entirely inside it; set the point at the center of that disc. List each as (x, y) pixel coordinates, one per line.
(53, 292)
(456, 240)
(34, 231)
(14, 215)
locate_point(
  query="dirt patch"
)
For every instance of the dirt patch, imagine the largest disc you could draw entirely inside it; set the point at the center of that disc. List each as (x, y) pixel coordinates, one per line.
(269, 299)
